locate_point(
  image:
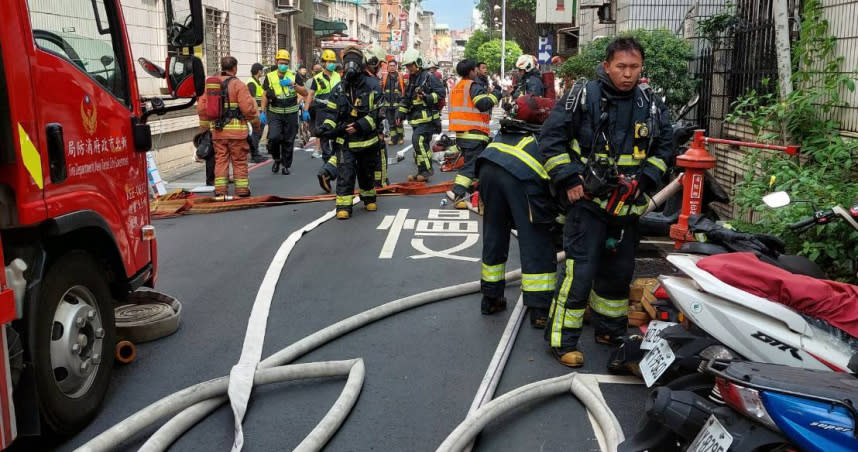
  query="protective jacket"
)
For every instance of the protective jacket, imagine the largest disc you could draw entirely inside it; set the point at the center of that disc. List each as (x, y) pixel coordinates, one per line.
(239, 110)
(281, 99)
(356, 103)
(393, 88)
(530, 83)
(426, 110)
(255, 90)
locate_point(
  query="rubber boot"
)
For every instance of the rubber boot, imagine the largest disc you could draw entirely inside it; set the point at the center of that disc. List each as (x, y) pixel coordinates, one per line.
(343, 215)
(371, 206)
(491, 305)
(538, 317)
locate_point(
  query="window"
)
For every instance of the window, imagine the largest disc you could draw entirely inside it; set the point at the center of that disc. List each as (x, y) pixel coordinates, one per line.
(267, 41)
(216, 38)
(81, 31)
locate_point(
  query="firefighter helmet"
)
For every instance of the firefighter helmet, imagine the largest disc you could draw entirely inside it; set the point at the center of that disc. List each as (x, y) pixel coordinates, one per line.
(412, 56)
(374, 55)
(526, 63)
(353, 50)
(282, 54)
(329, 55)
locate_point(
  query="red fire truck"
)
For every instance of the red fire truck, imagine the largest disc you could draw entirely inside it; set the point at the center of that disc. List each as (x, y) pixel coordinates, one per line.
(74, 196)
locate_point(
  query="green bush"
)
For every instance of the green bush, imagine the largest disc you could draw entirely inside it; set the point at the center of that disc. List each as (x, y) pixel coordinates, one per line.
(477, 39)
(666, 63)
(823, 173)
(490, 53)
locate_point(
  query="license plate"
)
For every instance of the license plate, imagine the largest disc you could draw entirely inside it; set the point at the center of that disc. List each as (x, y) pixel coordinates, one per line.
(713, 437)
(653, 333)
(656, 362)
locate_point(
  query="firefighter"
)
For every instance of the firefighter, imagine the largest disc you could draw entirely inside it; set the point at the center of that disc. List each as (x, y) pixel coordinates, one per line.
(319, 92)
(351, 118)
(529, 79)
(281, 102)
(393, 88)
(255, 88)
(514, 189)
(470, 112)
(420, 106)
(623, 138)
(229, 132)
(374, 56)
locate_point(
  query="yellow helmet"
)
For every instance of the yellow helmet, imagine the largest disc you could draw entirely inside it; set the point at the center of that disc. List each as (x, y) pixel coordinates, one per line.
(282, 54)
(329, 55)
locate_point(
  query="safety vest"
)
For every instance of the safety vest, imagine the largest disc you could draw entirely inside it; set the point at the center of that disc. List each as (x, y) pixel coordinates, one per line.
(464, 115)
(323, 86)
(255, 90)
(286, 100)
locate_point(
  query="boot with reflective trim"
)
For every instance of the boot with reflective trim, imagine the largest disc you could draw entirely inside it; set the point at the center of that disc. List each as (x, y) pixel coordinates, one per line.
(569, 359)
(343, 215)
(492, 305)
(371, 206)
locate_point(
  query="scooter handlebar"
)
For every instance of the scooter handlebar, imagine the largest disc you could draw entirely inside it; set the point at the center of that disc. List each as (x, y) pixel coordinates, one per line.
(801, 224)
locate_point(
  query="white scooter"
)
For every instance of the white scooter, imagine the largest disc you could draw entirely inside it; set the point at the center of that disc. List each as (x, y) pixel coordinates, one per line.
(750, 327)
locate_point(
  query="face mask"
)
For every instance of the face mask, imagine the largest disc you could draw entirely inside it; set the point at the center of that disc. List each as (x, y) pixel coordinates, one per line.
(331, 67)
(283, 67)
(351, 70)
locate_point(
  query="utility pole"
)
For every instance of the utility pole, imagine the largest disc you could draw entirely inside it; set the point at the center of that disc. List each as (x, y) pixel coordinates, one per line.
(503, 39)
(782, 47)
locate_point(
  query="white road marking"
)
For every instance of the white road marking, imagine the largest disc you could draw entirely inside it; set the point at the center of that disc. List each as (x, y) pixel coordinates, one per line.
(393, 235)
(470, 240)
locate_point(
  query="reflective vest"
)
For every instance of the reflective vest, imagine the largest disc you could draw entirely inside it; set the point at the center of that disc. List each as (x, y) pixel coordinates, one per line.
(323, 86)
(286, 100)
(255, 90)
(464, 115)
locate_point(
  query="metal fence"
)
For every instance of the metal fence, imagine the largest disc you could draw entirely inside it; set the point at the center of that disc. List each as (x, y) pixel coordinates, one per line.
(754, 64)
(216, 39)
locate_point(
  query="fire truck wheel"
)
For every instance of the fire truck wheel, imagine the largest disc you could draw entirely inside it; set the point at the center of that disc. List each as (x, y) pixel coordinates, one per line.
(73, 339)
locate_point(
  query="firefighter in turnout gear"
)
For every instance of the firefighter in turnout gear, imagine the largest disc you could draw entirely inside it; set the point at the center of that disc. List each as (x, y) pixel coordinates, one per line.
(605, 143)
(351, 118)
(280, 110)
(514, 188)
(374, 56)
(229, 131)
(393, 89)
(470, 112)
(529, 81)
(420, 107)
(255, 88)
(319, 91)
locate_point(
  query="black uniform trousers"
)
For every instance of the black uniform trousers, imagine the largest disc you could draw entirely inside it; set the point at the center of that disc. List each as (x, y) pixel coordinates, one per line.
(506, 206)
(396, 131)
(380, 175)
(282, 129)
(421, 140)
(466, 176)
(593, 272)
(360, 165)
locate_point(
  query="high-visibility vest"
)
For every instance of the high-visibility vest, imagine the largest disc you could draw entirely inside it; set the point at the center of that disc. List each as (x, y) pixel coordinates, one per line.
(256, 90)
(464, 115)
(286, 99)
(323, 86)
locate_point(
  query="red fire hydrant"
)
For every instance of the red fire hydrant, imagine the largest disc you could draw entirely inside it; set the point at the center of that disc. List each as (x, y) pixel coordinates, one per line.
(695, 161)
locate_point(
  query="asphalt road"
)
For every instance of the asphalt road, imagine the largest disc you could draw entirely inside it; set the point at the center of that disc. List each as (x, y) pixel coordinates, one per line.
(423, 365)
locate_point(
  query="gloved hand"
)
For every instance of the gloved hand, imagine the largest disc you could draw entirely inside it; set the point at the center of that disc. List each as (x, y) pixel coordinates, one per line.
(263, 119)
(305, 116)
(285, 81)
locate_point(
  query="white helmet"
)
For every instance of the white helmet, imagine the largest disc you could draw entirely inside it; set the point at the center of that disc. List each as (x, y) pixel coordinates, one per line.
(526, 63)
(412, 56)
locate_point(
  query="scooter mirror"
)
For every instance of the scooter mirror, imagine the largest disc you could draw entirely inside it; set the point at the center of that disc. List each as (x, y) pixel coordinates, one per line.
(777, 199)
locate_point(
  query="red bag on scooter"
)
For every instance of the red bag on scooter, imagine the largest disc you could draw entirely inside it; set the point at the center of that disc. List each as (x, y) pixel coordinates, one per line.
(533, 109)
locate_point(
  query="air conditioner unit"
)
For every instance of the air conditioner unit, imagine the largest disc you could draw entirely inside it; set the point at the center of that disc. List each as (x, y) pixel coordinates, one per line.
(286, 4)
(583, 4)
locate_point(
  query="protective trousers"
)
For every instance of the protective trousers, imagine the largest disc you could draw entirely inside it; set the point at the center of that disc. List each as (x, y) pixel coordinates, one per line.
(234, 151)
(506, 207)
(470, 149)
(421, 139)
(397, 132)
(593, 272)
(381, 169)
(360, 164)
(282, 129)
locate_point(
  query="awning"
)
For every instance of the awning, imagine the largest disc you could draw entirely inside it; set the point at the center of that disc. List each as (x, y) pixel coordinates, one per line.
(325, 27)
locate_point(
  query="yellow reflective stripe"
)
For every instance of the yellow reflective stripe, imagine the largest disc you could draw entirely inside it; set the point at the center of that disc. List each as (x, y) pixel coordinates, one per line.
(367, 192)
(31, 157)
(212, 85)
(340, 140)
(345, 200)
(221, 180)
(370, 121)
(493, 273)
(284, 110)
(205, 124)
(472, 136)
(420, 121)
(628, 160)
(242, 183)
(330, 122)
(658, 163)
(363, 144)
(557, 160)
(522, 155)
(576, 147)
(463, 181)
(333, 160)
(403, 109)
(560, 305)
(608, 307)
(480, 97)
(538, 282)
(331, 105)
(435, 97)
(232, 104)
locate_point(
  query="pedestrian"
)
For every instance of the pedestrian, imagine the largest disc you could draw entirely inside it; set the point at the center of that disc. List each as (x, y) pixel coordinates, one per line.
(482, 75)
(254, 85)
(514, 189)
(318, 93)
(606, 144)
(229, 131)
(470, 113)
(420, 106)
(281, 102)
(393, 89)
(529, 81)
(351, 119)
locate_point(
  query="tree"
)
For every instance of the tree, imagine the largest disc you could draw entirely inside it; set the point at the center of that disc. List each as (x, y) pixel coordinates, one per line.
(521, 24)
(477, 39)
(666, 63)
(490, 53)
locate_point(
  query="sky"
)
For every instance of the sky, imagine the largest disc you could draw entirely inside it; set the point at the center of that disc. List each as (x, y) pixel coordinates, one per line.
(455, 13)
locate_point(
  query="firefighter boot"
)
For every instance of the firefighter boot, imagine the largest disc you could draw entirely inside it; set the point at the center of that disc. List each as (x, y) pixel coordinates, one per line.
(343, 215)
(491, 305)
(458, 200)
(371, 206)
(569, 359)
(609, 339)
(538, 317)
